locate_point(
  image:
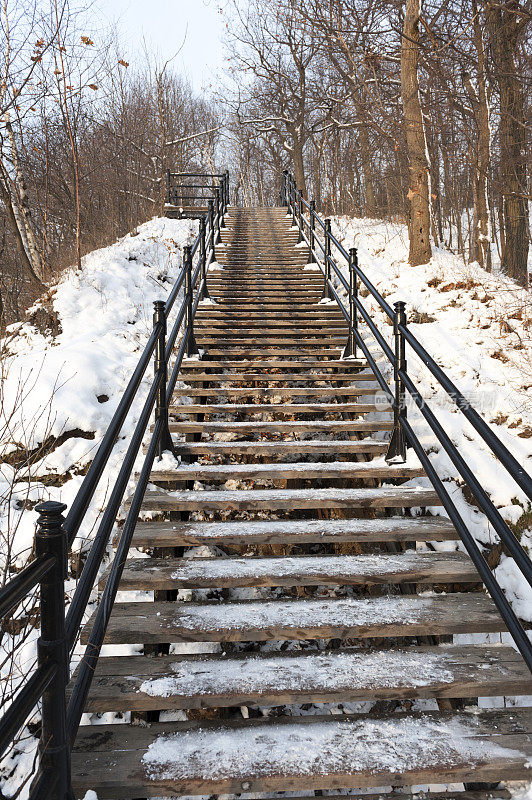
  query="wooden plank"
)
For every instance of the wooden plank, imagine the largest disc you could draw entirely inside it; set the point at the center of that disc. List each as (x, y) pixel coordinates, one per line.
(151, 574)
(288, 499)
(355, 470)
(293, 531)
(278, 449)
(279, 426)
(268, 391)
(210, 681)
(308, 753)
(275, 377)
(286, 409)
(304, 363)
(260, 621)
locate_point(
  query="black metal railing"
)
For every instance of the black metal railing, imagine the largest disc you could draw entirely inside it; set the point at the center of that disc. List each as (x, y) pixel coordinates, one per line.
(325, 250)
(189, 189)
(55, 534)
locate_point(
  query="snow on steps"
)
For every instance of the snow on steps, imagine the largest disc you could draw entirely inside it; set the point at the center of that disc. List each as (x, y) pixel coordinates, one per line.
(285, 447)
(328, 469)
(302, 754)
(346, 570)
(289, 499)
(293, 531)
(279, 426)
(250, 621)
(348, 675)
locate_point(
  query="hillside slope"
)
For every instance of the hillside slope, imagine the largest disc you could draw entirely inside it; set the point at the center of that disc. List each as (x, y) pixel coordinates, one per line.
(478, 327)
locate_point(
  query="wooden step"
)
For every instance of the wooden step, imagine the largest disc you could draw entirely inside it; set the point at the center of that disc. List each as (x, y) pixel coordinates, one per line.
(262, 377)
(288, 499)
(293, 531)
(276, 448)
(324, 470)
(304, 364)
(260, 621)
(247, 353)
(231, 332)
(410, 566)
(306, 753)
(210, 681)
(285, 391)
(281, 426)
(284, 409)
(269, 340)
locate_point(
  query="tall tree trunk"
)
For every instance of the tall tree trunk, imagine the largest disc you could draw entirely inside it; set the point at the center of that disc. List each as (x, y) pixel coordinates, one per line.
(370, 204)
(504, 27)
(299, 169)
(480, 242)
(419, 191)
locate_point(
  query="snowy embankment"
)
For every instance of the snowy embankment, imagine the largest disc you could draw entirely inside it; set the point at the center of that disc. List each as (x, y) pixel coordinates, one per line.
(478, 327)
(66, 367)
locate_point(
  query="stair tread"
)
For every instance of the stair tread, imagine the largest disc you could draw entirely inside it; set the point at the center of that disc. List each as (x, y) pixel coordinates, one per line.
(350, 675)
(283, 447)
(268, 391)
(380, 568)
(273, 408)
(251, 620)
(381, 497)
(305, 753)
(280, 426)
(293, 531)
(304, 363)
(276, 377)
(318, 469)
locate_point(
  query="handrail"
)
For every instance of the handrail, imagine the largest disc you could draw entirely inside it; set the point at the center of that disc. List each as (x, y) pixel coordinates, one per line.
(59, 631)
(177, 191)
(403, 433)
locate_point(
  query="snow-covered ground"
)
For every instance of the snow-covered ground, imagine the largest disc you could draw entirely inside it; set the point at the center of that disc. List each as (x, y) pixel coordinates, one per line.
(478, 327)
(64, 371)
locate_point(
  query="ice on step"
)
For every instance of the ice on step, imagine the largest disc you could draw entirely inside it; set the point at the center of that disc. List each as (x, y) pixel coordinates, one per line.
(320, 748)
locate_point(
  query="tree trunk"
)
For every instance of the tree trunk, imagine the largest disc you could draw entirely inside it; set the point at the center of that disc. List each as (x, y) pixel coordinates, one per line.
(480, 241)
(370, 203)
(419, 191)
(299, 169)
(503, 27)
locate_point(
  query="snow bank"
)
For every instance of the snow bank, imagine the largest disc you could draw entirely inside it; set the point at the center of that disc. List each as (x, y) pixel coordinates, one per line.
(71, 382)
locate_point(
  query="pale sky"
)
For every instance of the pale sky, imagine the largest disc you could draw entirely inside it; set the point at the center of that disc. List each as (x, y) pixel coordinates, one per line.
(195, 27)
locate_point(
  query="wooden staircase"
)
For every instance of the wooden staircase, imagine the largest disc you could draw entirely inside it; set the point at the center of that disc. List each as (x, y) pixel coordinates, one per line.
(328, 557)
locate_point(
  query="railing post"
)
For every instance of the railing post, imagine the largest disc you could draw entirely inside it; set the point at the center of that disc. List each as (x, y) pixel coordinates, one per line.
(210, 217)
(284, 198)
(351, 346)
(300, 215)
(218, 237)
(168, 186)
(203, 260)
(192, 347)
(161, 367)
(311, 256)
(293, 197)
(221, 204)
(51, 539)
(226, 176)
(327, 294)
(397, 447)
